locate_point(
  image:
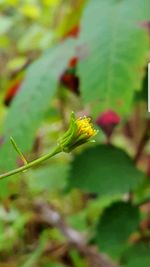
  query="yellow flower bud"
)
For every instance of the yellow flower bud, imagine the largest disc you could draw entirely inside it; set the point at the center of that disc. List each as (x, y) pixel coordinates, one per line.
(80, 131)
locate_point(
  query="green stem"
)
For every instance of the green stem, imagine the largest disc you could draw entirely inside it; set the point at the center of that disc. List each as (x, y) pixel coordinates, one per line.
(31, 164)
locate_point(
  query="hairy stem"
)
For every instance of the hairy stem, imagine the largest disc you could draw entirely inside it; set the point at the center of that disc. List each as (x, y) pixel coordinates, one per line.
(32, 163)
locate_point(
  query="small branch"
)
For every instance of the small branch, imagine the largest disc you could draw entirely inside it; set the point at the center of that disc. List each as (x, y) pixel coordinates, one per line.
(18, 151)
(74, 238)
(80, 131)
(31, 164)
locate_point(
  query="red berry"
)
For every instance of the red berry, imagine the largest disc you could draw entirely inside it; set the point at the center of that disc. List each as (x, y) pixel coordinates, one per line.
(107, 122)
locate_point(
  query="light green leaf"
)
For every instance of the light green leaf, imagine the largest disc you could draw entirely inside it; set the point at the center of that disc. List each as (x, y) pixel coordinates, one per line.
(32, 101)
(115, 51)
(5, 24)
(16, 63)
(50, 178)
(30, 105)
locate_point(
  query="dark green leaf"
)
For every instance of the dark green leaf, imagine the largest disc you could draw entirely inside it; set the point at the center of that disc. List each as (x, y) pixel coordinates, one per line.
(104, 170)
(117, 223)
(138, 256)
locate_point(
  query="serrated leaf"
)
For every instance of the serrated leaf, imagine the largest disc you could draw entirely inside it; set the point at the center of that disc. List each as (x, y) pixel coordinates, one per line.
(105, 170)
(31, 103)
(115, 226)
(29, 106)
(117, 51)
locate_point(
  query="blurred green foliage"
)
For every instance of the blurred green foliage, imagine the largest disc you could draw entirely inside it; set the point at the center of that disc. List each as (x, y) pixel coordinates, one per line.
(90, 57)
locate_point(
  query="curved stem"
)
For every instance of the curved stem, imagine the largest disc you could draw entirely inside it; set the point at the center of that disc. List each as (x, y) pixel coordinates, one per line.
(31, 164)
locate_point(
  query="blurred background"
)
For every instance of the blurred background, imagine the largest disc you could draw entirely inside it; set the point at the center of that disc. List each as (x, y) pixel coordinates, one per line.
(90, 207)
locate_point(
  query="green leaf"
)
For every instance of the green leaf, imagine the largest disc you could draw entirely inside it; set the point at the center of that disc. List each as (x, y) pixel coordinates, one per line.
(29, 106)
(137, 256)
(35, 34)
(115, 226)
(105, 170)
(53, 178)
(6, 23)
(16, 63)
(116, 47)
(77, 259)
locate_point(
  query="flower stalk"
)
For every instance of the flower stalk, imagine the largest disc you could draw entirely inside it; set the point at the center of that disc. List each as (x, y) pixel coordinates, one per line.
(80, 131)
(31, 164)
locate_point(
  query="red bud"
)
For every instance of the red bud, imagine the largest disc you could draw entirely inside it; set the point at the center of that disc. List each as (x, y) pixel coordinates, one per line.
(107, 122)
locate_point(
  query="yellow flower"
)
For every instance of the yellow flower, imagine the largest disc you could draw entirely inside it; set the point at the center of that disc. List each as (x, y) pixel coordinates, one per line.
(85, 126)
(80, 131)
